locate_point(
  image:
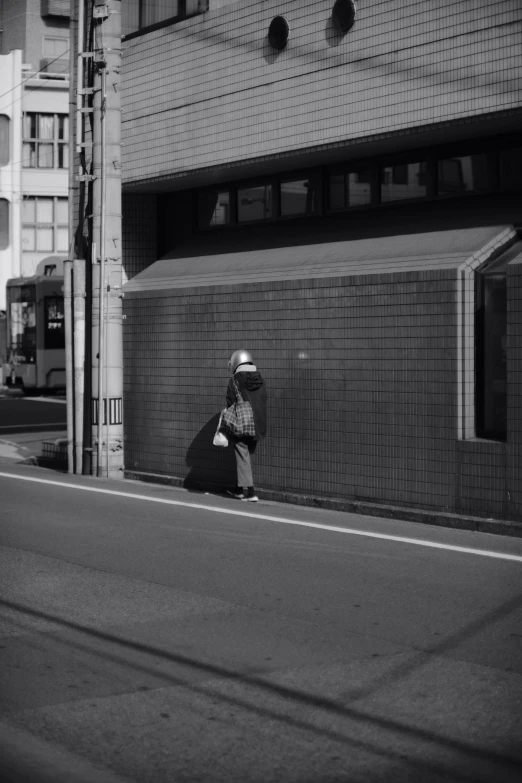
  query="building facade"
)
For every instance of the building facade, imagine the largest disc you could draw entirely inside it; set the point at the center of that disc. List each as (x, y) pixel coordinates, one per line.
(335, 186)
(34, 127)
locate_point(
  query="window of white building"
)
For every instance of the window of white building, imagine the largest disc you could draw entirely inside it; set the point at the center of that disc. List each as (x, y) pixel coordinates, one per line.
(46, 139)
(45, 224)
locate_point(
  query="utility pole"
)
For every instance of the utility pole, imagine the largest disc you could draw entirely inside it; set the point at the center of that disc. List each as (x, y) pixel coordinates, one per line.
(95, 221)
(107, 352)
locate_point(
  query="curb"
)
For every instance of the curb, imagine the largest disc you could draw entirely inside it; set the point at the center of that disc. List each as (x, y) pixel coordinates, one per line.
(437, 518)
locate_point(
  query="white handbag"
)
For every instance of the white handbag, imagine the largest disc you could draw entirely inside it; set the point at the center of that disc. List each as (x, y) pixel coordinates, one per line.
(220, 439)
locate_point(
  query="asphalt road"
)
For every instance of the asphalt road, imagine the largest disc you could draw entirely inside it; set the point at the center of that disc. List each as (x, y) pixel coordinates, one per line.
(182, 637)
(21, 414)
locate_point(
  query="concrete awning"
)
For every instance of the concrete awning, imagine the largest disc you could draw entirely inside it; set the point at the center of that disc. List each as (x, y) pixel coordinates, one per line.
(202, 264)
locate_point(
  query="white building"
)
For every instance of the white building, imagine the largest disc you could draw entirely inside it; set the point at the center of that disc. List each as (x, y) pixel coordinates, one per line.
(34, 127)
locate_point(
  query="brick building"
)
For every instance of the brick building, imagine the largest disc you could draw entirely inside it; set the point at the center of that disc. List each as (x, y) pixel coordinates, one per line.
(339, 194)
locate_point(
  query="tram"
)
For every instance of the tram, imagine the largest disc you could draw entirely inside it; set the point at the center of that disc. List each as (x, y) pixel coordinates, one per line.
(36, 330)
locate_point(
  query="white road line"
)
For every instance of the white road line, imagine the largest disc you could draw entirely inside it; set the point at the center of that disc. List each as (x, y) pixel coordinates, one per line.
(268, 518)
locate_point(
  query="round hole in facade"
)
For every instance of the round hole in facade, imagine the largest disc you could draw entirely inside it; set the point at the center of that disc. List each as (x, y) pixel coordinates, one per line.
(343, 15)
(278, 33)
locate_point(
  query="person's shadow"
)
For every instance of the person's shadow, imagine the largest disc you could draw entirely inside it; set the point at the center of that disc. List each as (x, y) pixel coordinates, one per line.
(212, 468)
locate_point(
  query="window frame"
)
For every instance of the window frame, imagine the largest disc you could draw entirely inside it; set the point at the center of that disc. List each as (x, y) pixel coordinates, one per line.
(179, 17)
(7, 148)
(492, 147)
(259, 182)
(294, 176)
(55, 225)
(59, 145)
(5, 240)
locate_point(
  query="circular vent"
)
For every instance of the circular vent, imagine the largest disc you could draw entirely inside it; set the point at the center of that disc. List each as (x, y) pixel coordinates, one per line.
(278, 33)
(343, 15)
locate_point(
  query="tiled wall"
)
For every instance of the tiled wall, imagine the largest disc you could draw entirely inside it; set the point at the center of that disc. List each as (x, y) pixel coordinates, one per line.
(209, 90)
(139, 246)
(514, 379)
(361, 376)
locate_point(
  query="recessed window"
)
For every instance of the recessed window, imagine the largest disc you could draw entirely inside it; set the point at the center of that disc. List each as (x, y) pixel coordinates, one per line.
(343, 15)
(4, 140)
(510, 168)
(55, 47)
(45, 141)
(4, 223)
(278, 33)
(213, 208)
(254, 203)
(462, 174)
(140, 15)
(491, 345)
(351, 188)
(403, 181)
(299, 196)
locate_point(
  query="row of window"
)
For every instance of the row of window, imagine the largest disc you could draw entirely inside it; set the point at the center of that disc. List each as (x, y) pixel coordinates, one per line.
(45, 141)
(45, 224)
(140, 14)
(361, 184)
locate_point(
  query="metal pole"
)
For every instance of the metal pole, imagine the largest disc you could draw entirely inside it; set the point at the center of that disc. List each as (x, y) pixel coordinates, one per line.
(79, 78)
(67, 313)
(79, 356)
(107, 380)
(101, 330)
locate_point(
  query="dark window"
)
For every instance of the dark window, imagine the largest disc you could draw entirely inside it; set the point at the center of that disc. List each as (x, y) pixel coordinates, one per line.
(337, 191)
(359, 187)
(352, 188)
(4, 140)
(254, 203)
(138, 15)
(22, 324)
(402, 181)
(4, 223)
(54, 323)
(462, 174)
(490, 348)
(510, 168)
(300, 196)
(213, 208)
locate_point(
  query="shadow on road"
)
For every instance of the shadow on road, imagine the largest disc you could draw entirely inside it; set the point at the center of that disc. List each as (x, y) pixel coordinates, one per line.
(293, 699)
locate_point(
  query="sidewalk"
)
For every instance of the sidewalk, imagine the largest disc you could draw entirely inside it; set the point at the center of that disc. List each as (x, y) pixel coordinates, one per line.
(28, 445)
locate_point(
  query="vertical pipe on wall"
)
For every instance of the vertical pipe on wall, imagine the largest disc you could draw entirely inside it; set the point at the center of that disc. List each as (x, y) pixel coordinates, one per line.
(79, 356)
(69, 392)
(79, 75)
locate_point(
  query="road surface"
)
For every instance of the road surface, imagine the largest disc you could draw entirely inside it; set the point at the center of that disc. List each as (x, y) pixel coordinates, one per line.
(159, 636)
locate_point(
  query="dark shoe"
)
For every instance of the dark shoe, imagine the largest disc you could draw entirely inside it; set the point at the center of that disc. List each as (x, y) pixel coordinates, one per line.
(250, 495)
(236, 492)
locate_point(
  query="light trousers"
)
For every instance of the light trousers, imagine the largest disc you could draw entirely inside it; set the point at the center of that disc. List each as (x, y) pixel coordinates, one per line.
(243, 450)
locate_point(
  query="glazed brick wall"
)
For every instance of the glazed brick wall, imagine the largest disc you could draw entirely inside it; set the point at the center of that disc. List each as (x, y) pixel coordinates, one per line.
(139, 246)
(514, 349)
(209, 91)
(361, 376)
